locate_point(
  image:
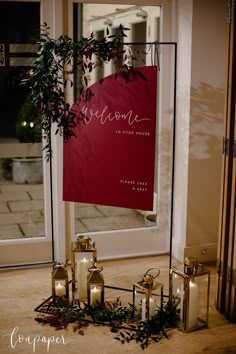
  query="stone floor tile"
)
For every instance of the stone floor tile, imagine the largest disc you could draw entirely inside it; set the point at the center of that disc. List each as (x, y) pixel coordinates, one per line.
(33, 229)
(99, 224)
(82, 204)
(21, 217)
(110, 211)
(130, 221)
(112, 223)
(12, 196)
(3, 208)
(80, 227)
(27, 205)
(9, 232)
(32, 216)
(87, 211)
(6, 219)
(36, 194)
(10, 187)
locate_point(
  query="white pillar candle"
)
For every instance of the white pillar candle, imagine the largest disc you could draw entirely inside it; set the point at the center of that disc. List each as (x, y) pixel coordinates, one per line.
(180, 294)
(95, 295)
(60, 289)
(82, 272)
(152, 306)
(76, 294)
(193, 304)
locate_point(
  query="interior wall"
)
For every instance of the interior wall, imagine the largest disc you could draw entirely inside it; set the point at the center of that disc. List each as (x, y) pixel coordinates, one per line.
(206, 127)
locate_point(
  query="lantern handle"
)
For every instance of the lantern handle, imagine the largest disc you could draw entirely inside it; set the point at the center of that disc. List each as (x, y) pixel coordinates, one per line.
(153, 277)
(94, 268)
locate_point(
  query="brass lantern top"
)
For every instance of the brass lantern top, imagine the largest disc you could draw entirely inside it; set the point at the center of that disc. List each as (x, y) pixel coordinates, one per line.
(94, 269)
(192, 266)
(59, 272)
(84, 243)
(147, 281)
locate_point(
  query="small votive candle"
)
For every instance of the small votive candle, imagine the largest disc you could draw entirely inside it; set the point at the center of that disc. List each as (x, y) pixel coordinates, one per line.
(95, 295)
(152, 306)
(60, 289)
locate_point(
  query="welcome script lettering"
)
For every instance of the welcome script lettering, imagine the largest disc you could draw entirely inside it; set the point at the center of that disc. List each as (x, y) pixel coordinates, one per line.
(105, 116)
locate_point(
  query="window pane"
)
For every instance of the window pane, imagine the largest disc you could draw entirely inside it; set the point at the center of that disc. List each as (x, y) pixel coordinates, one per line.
(92, 218)
(21, 198)
(19, 29)
(21, 170)
(19, 21)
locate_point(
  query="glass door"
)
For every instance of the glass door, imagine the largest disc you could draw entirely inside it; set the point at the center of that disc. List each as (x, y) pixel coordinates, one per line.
(122, 232)
(25, 232)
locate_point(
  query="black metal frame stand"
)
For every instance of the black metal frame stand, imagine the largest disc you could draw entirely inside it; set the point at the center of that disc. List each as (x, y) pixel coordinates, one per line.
(174, 44)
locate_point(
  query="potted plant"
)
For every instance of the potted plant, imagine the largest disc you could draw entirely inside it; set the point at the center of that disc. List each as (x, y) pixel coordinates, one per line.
(28, 130)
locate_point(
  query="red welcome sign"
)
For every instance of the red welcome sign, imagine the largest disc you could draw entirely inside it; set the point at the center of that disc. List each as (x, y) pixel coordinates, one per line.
(111, 160)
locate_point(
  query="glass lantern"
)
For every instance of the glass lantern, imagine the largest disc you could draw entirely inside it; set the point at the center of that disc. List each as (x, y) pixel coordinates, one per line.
(147, 296)
(60, 283)
(191, 290)
(95, 286)
(191, 265)
(84, 254)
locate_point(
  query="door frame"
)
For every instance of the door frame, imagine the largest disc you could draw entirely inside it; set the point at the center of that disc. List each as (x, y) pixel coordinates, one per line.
(40, 250)
(226, 253)
(59, 17)
(132, 242)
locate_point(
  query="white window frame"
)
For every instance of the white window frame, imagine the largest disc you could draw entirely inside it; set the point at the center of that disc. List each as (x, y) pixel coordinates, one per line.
(31, 250)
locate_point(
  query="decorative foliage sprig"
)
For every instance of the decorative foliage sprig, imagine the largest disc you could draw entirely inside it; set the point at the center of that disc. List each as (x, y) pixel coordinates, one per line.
(56, 62)
(112, 314)
(155, 329)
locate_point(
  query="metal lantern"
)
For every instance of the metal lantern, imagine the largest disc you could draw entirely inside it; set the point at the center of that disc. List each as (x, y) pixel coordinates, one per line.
(60, 284)
(95, 285)
(191, 288)
(191, 265)
(84, 254)
(145, 297)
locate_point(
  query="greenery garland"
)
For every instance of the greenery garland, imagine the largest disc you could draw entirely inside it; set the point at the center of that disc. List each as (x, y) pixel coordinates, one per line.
(120, 319)
(57, 61)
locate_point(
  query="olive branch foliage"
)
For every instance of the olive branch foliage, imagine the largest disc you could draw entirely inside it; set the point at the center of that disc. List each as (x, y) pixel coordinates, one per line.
(57, 61)
(120, 319)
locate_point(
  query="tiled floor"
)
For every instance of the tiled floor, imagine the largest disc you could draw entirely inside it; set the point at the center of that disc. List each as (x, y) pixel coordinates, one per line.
(22, 213)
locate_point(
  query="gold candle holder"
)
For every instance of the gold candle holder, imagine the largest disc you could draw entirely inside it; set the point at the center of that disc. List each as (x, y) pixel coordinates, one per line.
(143, 295)
(191, 288)
(95, 286)
(83, 255)
(60, 284)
